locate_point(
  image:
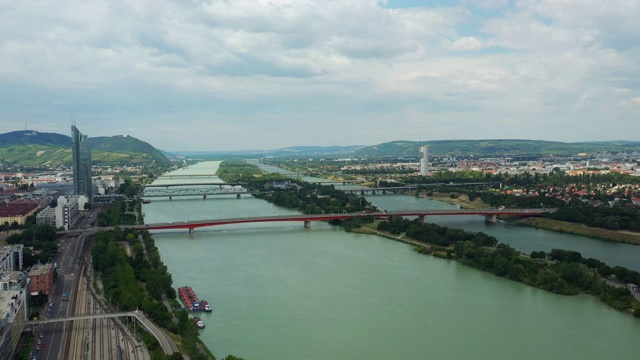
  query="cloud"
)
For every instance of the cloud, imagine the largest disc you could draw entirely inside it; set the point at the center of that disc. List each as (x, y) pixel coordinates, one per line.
(466, 43)
(249, 74)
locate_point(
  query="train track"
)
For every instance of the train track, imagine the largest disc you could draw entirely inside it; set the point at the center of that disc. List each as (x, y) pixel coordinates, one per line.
(102, 338)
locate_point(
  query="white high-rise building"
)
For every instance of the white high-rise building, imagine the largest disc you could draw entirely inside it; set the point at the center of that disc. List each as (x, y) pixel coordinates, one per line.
(424, 160)
(67, 212)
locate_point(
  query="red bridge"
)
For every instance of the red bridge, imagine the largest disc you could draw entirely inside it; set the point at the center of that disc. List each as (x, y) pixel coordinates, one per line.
(489, 214)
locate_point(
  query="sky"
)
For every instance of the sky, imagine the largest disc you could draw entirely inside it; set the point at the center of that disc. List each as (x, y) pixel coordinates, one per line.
(198, 75)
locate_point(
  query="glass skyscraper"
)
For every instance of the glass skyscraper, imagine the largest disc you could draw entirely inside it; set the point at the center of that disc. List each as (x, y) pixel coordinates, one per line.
(82, 184)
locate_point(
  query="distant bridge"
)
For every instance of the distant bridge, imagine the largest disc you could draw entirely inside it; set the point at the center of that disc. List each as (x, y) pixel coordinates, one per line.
(189, 176)
(170, 193)
(191, 184)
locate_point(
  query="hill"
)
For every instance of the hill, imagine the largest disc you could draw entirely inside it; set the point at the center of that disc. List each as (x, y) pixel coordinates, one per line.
(293, 151)
(124, 144)
(491, 148)
(28, 137)
(36, 149)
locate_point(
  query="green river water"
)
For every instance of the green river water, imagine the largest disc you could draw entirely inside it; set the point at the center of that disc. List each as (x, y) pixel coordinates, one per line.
(281, 291)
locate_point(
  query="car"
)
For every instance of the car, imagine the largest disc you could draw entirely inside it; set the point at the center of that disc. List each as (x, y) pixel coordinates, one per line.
(44, 346)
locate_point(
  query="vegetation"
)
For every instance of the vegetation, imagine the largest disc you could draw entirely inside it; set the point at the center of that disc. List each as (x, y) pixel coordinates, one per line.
(492, 148)
(121, 274)
(42, 238)
(605, 217)
(237, 171)
(117, 215)
(433, 234)
(581, 229)
(40, 150)
(317, 199)
(568, 273)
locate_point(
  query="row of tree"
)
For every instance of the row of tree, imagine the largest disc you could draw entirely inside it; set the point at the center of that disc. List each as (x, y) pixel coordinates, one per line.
(432, 233)
(121, 280)
(604, 216)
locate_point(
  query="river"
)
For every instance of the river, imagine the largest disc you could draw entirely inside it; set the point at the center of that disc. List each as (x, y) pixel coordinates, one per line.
(281, 291)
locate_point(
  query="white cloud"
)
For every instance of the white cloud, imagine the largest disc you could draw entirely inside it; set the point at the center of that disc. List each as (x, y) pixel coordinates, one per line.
(466, 43)
(290, 65)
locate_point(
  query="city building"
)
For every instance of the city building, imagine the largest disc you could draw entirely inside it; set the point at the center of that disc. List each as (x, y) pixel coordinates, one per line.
(47, 216)
(17, 212)
(41, 279)
(82, 184)
(13, 315)
(11, 257)
(66, 212)
(424, 161)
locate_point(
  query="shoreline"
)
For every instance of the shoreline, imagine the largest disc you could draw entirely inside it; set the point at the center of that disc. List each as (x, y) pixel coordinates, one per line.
(462, 200)
(626, 237)
(581, 229)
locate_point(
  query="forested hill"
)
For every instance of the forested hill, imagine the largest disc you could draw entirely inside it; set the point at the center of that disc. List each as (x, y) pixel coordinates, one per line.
(34, 137)
(129, 145)
(36, 149)
(490, 148)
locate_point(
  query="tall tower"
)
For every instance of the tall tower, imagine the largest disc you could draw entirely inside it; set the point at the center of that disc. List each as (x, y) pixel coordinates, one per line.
(424, 160)
(82, 184)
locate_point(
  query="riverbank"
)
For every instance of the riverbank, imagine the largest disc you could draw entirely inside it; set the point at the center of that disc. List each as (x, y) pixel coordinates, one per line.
(545, 223)
(581, 229)
(509, 263)
(462, 200)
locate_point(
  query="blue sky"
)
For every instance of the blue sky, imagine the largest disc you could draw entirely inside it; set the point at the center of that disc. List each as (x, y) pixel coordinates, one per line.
(265, 74)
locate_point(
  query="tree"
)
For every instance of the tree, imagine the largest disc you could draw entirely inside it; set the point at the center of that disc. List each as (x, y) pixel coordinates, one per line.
(538, 255)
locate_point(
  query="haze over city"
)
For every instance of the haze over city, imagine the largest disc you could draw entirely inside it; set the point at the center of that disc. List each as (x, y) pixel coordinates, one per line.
(235, 75)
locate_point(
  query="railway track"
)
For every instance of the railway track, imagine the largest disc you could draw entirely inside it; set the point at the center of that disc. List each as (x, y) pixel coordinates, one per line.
(101, 338)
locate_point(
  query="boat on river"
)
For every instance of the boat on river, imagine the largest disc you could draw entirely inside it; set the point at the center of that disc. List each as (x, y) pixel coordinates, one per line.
(191, 301)
(199, 322)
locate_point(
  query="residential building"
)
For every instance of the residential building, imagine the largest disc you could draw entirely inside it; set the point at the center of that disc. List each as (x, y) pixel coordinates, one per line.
(17, 212)
(47, 217)
(66, 213)
(13, 315)
(11, 257)
(82, 184)
(41, 277)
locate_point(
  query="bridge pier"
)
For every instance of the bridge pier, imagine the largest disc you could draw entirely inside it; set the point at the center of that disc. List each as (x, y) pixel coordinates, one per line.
(204, 197)
(307, 223)
(191, 230)
(170, 198)
(491, 218)
(238, 196)
(423, 218)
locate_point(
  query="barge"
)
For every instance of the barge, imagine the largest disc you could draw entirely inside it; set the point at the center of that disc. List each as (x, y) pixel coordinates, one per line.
(190, 300)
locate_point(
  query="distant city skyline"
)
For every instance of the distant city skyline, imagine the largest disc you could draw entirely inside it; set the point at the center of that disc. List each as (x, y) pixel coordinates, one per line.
(268, 74)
